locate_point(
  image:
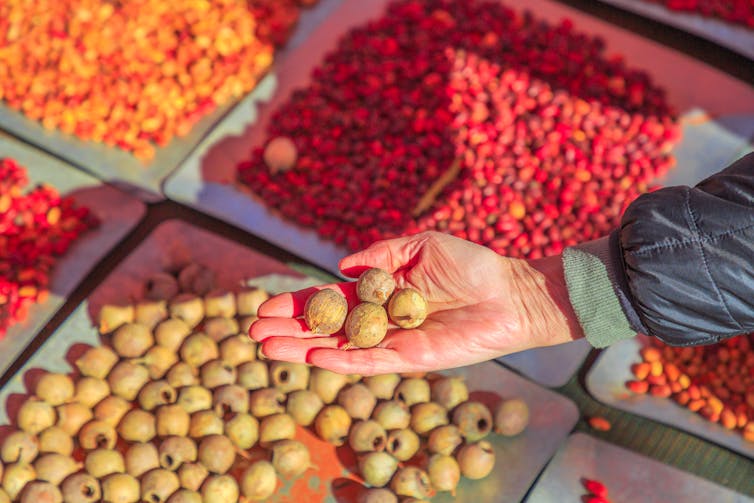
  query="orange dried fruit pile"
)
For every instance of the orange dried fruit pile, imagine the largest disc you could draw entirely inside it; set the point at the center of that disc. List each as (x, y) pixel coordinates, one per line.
(132, 74)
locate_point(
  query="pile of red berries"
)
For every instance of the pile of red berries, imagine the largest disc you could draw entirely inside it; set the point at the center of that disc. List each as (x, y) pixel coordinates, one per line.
(36, 228)
(732, 11)
(551, 138)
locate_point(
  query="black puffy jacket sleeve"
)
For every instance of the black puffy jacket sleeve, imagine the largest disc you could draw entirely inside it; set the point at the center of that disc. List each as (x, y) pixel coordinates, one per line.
(680, 267)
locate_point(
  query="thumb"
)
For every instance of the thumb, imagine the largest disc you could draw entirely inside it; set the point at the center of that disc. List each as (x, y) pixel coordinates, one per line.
(390, 254)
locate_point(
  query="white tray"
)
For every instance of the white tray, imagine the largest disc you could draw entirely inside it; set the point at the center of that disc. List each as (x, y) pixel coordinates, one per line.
(733, 36)
(629, 477)
(119, 167)
(118, 214)
(519, 459)
(606, 382)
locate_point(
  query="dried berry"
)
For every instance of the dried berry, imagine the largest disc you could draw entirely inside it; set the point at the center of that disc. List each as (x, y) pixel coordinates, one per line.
(192, 475)
(90, 391)
(156, 393)
(20, 447)
(54, 468)
(407, 308)
(158, 360)
(377, 468)
(358, 401)
(72, 416)
(217, 453)
(366, 325)
(303, 406)
(377, 495)
(132, 340)
(219, 303)
(194, 398)
(248, 300)
(258, 481)
(171, 333)
(444, 439)
(97, 362)
(325, 311)
(38, 492)
(383, 386)
(112, 316)
(150, 312)
(392, 415)
(97, 434)
(473, 419)
(120, 488)
(326, 383)
(220, 328)
(253, 375)
(81, 488)
(15, 478)
(280, 154)
(427, 416)
(140, 458)
(137, 426)
(54, 388)
(198, 349)
(290, 458)
(367, 436)
(112, 409)
(216, 373)
(403, 444)
(267, 401)
(219, 488)
(476, 460)
(375, 285)
(188, 496)
(205, 422)
(238, 349)
(444, 473)
(449, 391)
(172, 420)
(182, 374)
(35, 415)
(411, 481)
(126, 379)
(511, 417)
(230, 398)
(243, 430)
(287, 376)
(412, 391)
(158, 484)
(332, 424)
(276, 427)
(52, 439)
(187, 307)
(175, 450)
(101, 462)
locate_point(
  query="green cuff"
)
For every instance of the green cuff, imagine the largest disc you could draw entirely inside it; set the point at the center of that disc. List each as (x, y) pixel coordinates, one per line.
(589, 277)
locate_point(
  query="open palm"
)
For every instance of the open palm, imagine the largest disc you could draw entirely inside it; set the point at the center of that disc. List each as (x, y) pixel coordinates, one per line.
(481, 306)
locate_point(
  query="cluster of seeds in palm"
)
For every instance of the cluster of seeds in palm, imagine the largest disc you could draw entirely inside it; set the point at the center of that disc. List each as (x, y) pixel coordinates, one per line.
(366, 324)
(178, 405)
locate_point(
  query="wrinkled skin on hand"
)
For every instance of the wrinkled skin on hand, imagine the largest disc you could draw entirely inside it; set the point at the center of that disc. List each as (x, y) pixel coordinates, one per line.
(481, 306)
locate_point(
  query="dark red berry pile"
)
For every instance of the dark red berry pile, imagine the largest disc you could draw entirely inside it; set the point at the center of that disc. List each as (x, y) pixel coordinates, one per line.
(36, 227)
(553, 138)
(731, 11)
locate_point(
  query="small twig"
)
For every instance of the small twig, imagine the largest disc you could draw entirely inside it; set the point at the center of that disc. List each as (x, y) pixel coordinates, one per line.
(429, 197)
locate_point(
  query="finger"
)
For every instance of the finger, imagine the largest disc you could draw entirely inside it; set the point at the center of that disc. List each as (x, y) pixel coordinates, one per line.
(291, 349)
(391, 255)
(370, 361)
(264, 328)
(291, 304)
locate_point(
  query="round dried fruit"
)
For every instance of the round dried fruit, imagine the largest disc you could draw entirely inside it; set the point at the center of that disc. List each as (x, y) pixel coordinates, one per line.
(407, 308)
(325, 311)
(366, 325)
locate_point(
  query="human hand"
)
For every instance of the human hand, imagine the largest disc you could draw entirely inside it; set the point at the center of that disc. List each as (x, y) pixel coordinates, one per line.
(481, 306)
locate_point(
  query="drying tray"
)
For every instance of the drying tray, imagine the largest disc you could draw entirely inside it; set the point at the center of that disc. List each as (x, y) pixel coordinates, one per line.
(119, 167)
(118, 213)
(627, 476)
(519, 459)
(737, 37)
(606, 382)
